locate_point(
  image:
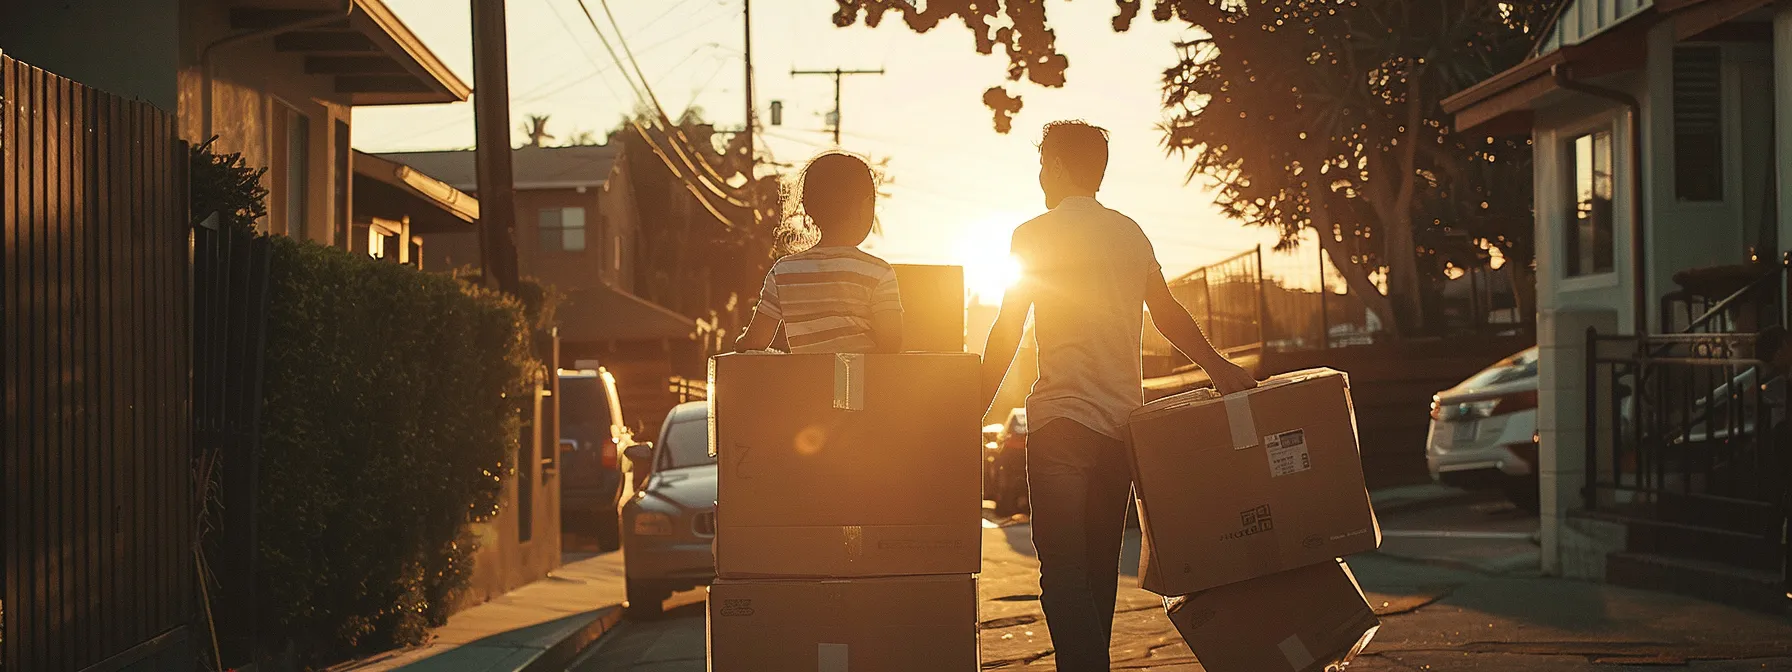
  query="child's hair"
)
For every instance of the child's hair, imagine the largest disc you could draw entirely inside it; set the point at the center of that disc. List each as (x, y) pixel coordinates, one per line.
(829, 189)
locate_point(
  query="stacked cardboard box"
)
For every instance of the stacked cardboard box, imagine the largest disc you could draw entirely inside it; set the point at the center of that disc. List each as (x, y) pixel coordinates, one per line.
(848, 531)
(1246, 503)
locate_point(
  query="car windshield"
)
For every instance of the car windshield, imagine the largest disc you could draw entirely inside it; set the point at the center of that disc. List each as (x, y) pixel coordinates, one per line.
(1517, 367)
(687, 444)
(584, 409)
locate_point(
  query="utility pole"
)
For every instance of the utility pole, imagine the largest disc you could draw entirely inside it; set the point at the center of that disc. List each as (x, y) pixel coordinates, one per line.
(746, 11)
(837, 74)
(491, 123)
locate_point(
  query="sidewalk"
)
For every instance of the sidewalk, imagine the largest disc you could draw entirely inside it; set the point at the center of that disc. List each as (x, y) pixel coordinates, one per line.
(1447, 603)
(535, 628)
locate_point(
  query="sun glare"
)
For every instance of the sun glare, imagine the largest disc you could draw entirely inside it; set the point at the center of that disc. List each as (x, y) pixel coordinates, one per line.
(988, 270)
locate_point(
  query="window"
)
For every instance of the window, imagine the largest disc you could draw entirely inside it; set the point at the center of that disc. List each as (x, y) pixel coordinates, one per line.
(291, 173)
(1589, 244)
(562, 229)
(1698, 124)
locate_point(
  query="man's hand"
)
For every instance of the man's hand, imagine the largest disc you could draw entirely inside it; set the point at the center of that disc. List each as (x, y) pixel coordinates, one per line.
(1228, 377)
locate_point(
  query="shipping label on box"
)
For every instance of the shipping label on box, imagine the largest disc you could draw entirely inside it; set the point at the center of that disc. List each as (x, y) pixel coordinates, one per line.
(1236, 487)
(890, 624)
(1302, 620)
(843, 466)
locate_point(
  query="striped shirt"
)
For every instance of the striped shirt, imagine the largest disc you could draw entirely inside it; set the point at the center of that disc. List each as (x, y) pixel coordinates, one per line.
(825, 296)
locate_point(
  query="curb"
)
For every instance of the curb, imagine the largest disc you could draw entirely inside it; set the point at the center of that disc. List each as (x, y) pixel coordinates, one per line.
(555, 658)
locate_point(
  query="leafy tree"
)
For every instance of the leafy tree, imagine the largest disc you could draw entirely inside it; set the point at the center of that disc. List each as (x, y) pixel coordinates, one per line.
(1340, 102)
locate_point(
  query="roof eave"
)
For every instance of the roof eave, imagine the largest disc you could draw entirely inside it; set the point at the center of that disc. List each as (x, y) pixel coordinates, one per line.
(452, 201)
(1503, 102)
(440, 84)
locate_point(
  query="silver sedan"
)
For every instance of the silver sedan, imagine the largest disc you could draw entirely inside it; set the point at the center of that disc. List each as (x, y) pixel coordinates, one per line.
(669, 524)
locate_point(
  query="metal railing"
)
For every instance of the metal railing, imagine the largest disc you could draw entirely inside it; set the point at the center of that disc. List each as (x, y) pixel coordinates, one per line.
(1687, 431)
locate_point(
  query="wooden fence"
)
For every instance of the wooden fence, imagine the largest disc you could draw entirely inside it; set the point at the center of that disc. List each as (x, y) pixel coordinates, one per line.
(96, 495)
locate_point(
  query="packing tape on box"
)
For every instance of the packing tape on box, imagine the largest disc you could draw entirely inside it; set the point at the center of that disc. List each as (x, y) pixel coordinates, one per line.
(1294, 650)
(1243, 424)
(831, 657)
(849, 382)
(709, 402)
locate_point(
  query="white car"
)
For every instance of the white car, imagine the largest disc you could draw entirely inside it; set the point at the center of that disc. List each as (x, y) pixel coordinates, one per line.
(1484, 431)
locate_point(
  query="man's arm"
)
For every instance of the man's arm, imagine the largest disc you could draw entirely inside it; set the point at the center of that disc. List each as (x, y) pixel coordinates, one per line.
(1004, 340)
(1174, 322)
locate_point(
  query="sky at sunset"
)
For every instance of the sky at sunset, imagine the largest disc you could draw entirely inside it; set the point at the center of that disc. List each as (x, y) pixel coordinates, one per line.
(960, 187)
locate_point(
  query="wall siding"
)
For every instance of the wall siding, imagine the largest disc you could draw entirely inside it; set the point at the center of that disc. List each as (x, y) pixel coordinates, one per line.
(1582, 19)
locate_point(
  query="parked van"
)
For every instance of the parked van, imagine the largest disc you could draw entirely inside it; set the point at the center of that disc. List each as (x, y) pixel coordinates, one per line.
(593, 439)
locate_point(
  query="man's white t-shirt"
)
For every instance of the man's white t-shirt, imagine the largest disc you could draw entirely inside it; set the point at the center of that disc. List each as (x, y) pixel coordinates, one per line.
(1086, 269)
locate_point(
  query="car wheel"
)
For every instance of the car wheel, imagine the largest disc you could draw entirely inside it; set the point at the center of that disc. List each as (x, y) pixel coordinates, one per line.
(608, 532)
(1524, 493)
(646, 600)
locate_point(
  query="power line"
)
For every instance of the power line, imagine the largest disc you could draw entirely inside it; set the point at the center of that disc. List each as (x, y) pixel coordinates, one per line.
(665, 14)
(837, 74)
(644, 92)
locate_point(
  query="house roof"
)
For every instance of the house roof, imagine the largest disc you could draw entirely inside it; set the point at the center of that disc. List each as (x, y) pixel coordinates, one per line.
(604, 313)
(1587, 38)
(531, 167)
(373, 58)
(395, 191)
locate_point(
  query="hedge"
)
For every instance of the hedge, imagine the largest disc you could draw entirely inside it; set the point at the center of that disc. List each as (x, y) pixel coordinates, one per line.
(389, 422)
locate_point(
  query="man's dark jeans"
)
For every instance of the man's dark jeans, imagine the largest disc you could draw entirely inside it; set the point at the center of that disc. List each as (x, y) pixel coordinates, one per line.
(1079, 484)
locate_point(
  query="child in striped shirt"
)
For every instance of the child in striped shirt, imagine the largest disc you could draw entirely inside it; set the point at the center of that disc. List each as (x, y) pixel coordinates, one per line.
(832, 297)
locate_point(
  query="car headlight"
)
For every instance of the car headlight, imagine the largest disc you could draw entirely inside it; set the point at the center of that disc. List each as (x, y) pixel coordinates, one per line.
(653, 524)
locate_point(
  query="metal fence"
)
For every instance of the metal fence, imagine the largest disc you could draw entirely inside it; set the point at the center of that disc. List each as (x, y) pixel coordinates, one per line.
(230, 310)
(1277, 301)
(96, 515)
(1297, 300)
(1687, 432)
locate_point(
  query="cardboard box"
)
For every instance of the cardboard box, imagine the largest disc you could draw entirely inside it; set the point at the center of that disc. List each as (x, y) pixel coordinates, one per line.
(846, 465)
(1250, 484)
(932, 307)
(1301, 620)
(899, 624)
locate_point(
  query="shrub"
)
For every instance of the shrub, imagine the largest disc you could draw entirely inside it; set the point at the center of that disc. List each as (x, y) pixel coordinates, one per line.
(389, 421)
(225, 184)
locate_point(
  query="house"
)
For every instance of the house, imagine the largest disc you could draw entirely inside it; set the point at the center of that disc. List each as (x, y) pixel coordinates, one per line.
(396, 205)
(1662, 133)
(580, 229)
(275, 80)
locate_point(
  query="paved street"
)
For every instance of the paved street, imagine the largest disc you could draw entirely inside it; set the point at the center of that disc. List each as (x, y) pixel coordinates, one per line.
(1456, 585)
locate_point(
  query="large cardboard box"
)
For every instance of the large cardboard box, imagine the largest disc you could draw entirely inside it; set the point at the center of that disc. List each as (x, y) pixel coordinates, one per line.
(893, 624)
(1301, 620)
(932, 307)
(846, 465)
(1233, 488)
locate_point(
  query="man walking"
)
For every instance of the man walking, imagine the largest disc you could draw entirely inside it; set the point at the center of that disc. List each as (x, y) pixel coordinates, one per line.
(1085, 273)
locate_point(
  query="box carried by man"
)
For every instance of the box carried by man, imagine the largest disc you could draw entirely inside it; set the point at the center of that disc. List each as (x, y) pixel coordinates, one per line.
(1247, 485)
(846, 465)
(1302, 620)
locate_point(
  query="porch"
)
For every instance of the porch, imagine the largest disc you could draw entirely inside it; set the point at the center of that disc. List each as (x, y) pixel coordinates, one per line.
(1662, 146)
